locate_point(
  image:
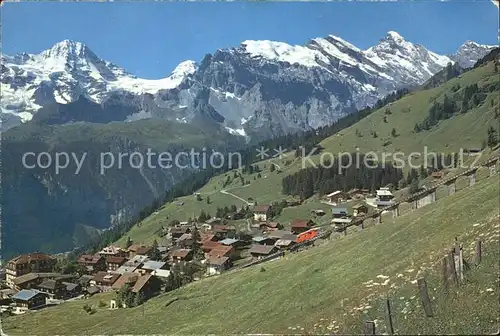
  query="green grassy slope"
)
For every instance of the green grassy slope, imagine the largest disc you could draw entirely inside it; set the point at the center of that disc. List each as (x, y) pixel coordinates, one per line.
(462, 131)
(311, 289)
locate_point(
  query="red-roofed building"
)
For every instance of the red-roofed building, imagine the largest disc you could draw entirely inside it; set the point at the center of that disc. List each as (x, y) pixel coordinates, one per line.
(207, 237)
(209, 245)
(127, 278)
(223, 251)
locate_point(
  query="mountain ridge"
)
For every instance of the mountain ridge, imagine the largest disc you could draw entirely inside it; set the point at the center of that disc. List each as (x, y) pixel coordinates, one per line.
(243, 83)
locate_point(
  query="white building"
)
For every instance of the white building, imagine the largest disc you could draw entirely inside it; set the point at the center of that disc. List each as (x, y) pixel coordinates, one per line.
(384, 198)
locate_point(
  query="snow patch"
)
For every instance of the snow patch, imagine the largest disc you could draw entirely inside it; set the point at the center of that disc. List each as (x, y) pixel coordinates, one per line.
(280, 51)
(238, 131)
(138, 116)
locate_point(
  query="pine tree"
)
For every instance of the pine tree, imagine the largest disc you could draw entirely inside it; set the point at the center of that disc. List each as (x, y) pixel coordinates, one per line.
(208, 200)
(492, 137)
(219, 213)
(449, 71)
(203, 216)
(155, 252)
(125, 296)
(174, 279)
(139, 298)
(271, 168)
(394, 133)
(196, 247)
(128, 243)
(414, 187)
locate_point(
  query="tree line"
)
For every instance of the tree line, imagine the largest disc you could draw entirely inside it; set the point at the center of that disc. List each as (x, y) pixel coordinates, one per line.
(328, 177)
(470, 97)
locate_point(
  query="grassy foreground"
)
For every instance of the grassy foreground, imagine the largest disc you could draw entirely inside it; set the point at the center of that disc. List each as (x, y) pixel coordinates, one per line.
(307, 291)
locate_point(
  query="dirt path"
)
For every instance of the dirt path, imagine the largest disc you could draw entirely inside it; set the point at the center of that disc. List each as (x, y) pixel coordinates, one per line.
(238, 197)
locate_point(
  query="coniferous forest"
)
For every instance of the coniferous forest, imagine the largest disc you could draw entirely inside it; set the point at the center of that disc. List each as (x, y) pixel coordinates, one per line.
(329, 177)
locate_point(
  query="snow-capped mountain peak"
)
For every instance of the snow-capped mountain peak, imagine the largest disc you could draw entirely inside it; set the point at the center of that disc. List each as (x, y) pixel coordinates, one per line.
(393, 43)
(395, 36)
(66, 49)
(66, 71)
(256, 86)
(184, 69)
(469, 52)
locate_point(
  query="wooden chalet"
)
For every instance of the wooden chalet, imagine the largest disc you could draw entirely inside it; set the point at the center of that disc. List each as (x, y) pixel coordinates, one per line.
(260, 251)
(300, 225)
(216, 265)
(113, 263)
(135, 249)
(30, 299)
(92, 263)
(104, 279)
(182, 255)
(261, 213)
(359, 210)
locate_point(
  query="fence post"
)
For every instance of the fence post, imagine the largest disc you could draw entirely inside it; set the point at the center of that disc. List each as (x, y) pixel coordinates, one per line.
(459, 263)
(445, 272)
(388, 317)
(369, 328)
(451, 264)
(461, 258)
(424, 296)
(478, 253)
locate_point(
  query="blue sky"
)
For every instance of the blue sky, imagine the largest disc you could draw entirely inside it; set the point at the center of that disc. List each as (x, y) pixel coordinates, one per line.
(150, 39)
